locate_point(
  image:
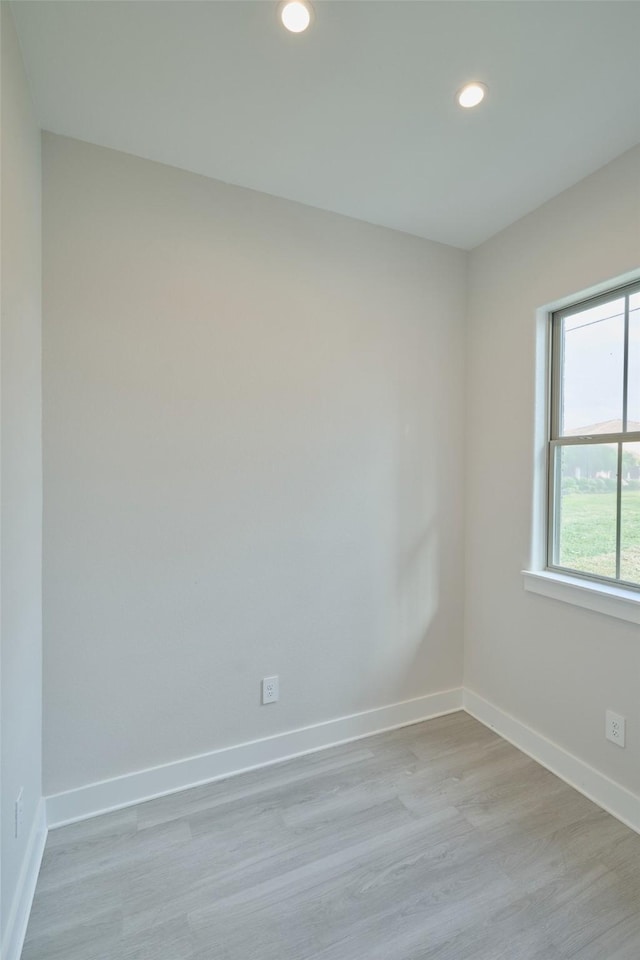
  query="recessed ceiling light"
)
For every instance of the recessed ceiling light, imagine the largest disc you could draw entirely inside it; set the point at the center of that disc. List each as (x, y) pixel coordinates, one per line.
(471, 94)
(296, 15)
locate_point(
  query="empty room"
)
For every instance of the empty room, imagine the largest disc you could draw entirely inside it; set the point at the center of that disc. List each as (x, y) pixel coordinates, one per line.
(320, 480)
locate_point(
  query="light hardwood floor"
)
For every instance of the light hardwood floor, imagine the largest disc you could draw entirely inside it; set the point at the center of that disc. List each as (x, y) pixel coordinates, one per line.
(439, 841)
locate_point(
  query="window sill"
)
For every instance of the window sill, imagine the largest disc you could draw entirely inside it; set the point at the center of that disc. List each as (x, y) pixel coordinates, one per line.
(612, 601)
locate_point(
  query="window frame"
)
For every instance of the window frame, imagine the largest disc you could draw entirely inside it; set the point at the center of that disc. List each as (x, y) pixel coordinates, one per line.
(556, 440)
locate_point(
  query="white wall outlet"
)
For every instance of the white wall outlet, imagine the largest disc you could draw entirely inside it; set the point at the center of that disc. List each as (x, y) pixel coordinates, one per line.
(270, 689)
(615, 728)
(19, 813)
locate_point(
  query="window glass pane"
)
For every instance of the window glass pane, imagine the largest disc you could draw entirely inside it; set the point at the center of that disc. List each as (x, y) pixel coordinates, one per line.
(587, 507)
(630, 514)
(633, 402)
(592, 374)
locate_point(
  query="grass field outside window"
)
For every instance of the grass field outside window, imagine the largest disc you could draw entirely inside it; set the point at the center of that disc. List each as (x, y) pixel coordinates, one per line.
(588, 538)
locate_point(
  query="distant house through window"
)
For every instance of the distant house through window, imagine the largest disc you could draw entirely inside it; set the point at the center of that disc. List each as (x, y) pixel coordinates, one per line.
(594, 444)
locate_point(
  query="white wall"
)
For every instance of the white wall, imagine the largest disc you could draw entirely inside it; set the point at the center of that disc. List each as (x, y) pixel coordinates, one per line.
(253, 464)
(553, 666)
(21, 474)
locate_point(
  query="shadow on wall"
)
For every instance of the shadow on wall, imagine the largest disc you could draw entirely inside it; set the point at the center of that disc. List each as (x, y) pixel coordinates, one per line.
(412, 652)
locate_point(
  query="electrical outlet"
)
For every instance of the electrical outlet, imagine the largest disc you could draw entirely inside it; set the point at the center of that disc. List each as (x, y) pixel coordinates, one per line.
(19, 813)
(615, 728)
(270, 689)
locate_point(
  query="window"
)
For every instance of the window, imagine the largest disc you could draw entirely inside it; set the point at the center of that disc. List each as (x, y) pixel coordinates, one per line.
(594, 446)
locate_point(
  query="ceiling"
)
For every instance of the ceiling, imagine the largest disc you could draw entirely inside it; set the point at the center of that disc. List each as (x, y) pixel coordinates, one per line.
(358, 114)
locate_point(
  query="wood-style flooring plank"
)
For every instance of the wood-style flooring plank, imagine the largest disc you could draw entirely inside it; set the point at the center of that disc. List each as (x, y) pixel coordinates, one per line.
(438, 841)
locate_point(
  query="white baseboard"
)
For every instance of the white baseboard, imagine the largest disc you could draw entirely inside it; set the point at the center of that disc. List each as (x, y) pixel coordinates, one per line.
(106, 795)
(21, 907)
(611, 796)
(97, 798)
